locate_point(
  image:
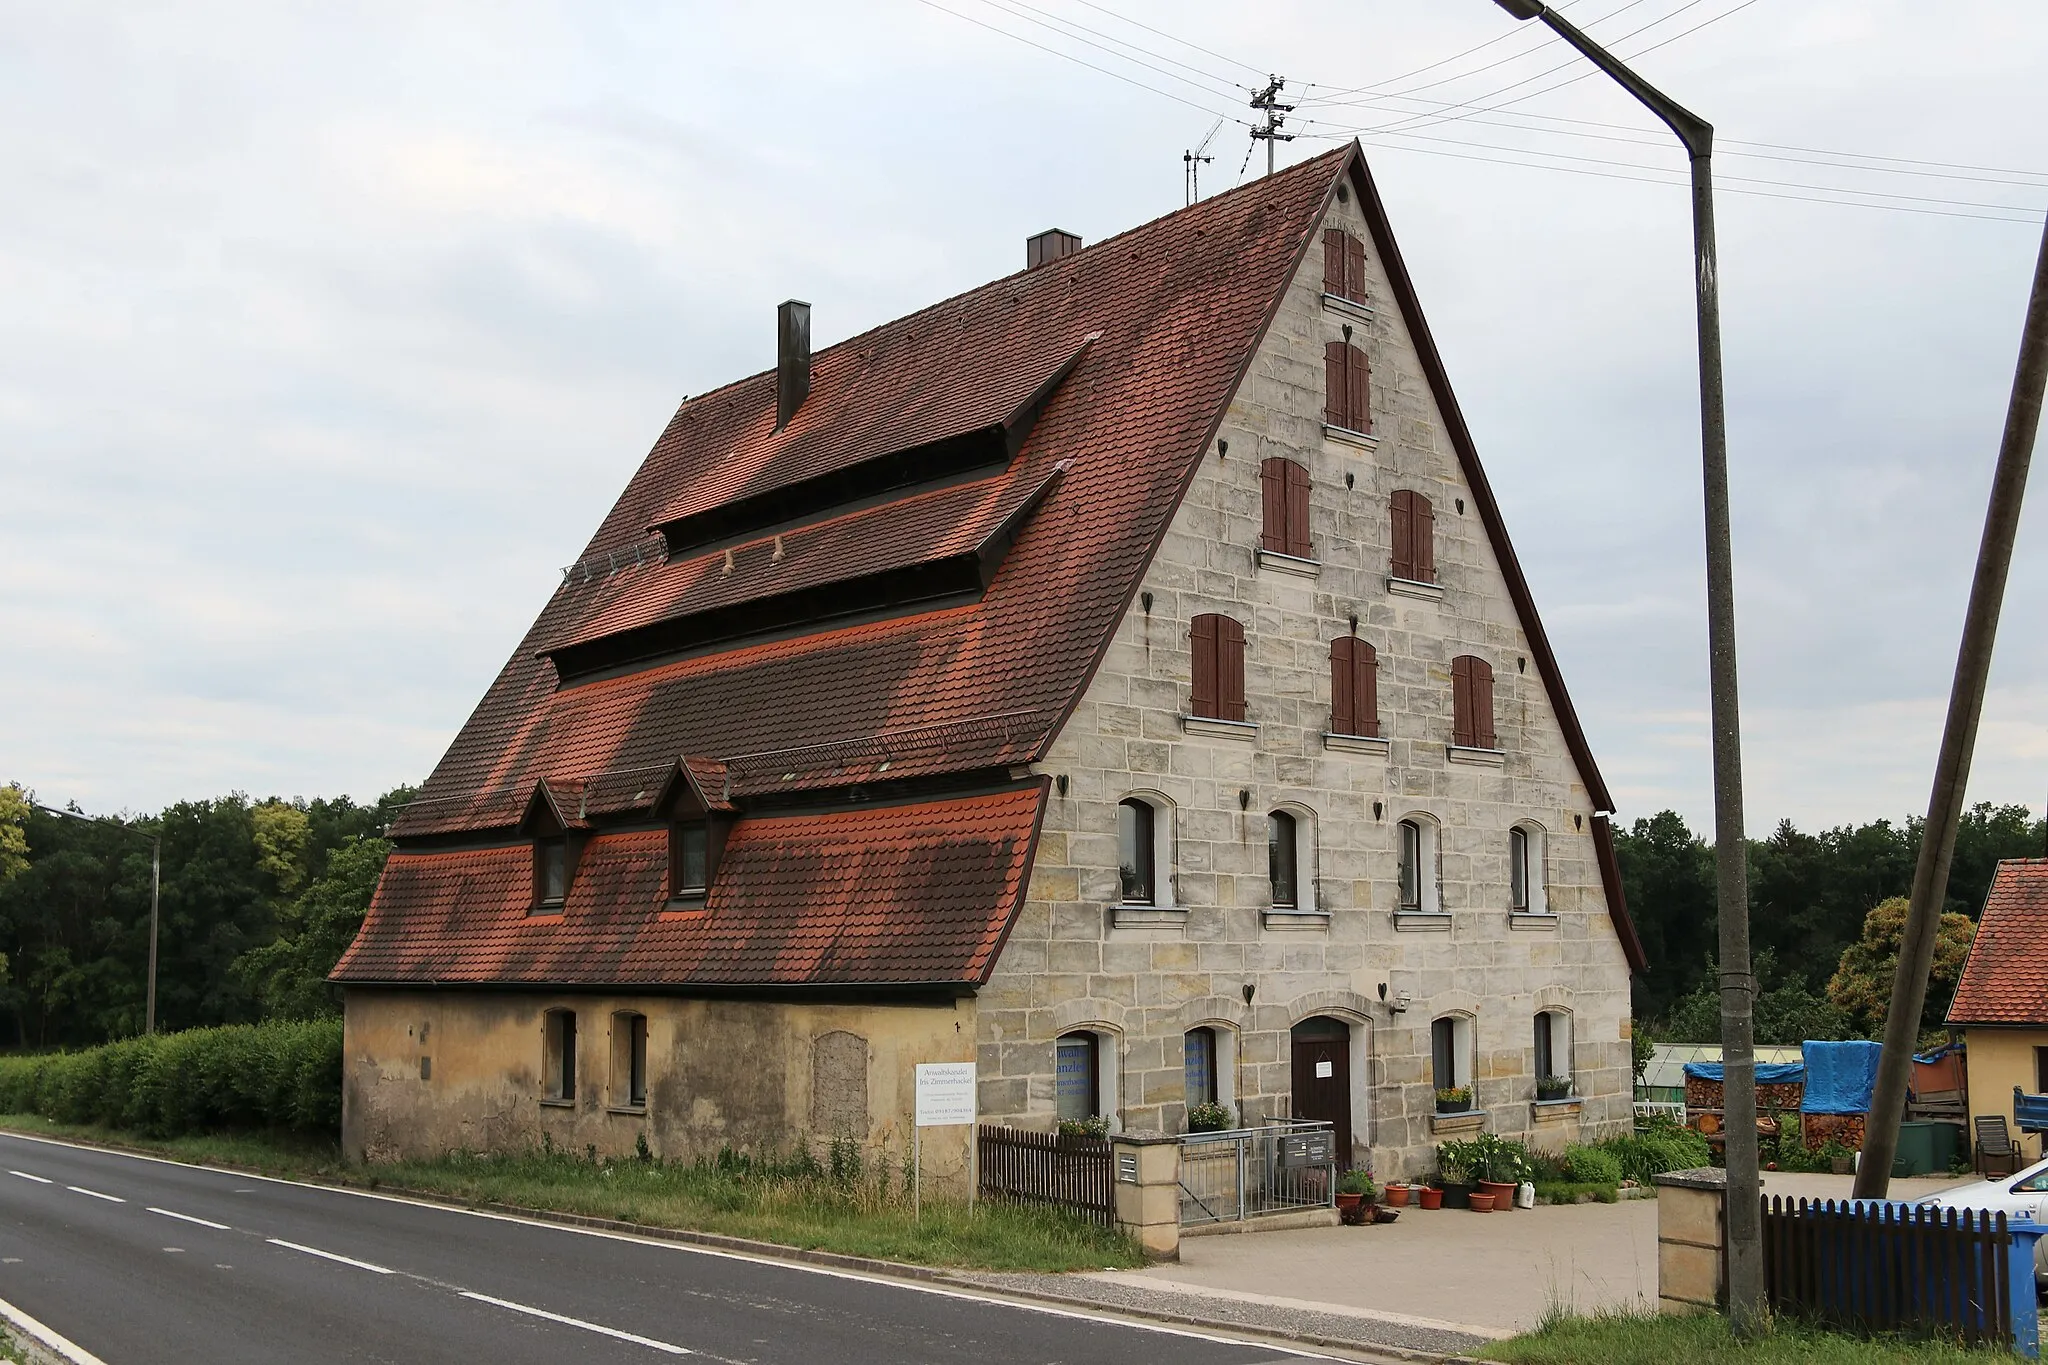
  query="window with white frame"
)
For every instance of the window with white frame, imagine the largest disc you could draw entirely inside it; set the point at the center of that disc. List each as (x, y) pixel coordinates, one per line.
(1419, 893)
(1144, 843)
(1554, 1047)
(1526, 893)
(1084, 1076)
(1450, 1051)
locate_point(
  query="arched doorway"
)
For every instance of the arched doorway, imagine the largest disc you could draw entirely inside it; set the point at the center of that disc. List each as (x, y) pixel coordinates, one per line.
(1322, 1077)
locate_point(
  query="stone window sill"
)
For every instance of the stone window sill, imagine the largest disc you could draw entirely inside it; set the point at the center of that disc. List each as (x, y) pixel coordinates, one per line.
(1437, 921)
(1478, 758)
(557, 1104)
(1526, 919)
(1410, 587)
(1471, 1121)
(1364, 440)
(1355, 744)
(628, 1109)
(1244, 730)
(1351, 308)
(1552, 1111)
(1147, 916)
(1297, 921)
(1290, 564)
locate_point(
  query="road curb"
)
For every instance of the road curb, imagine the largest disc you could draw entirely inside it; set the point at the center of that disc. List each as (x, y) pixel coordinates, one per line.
(768, 1251)
(40, 1344)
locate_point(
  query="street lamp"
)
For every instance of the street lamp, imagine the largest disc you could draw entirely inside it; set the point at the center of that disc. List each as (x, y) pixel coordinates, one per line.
(1738, 987)
(156, 881)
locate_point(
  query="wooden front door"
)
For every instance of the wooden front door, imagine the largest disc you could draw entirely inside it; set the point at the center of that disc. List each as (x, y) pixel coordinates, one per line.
(1322, 1078)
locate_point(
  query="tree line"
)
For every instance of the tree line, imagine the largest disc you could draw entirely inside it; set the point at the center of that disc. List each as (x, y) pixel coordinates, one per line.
(1826, 912)
(259, 899)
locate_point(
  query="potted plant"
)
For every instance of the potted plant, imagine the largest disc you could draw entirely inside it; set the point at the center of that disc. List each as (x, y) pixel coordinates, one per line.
(1501, 1164)
(1094, 1126)
(1456, 1100)
(1454, 1174)
(1553, 1087)
(1397, 1194)
(1430, 1196)
(1480, 1202)
(1210, 1118)
(1355, 1195)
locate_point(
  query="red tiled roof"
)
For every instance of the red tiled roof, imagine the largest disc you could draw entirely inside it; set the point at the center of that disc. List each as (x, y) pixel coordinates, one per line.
(2005, 979)
(917, 894)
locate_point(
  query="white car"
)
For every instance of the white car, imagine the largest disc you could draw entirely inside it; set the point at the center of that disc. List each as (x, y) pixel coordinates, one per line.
(2024, 1195)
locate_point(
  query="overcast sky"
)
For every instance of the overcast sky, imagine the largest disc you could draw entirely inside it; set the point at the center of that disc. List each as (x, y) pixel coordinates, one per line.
(328, 333)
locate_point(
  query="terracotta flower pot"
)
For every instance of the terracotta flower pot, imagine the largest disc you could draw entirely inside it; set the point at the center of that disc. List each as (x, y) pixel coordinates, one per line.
(1351, 1209)
(1503, 1192)
(1431, 1196)
(1397, 1196)
(1479, 1202)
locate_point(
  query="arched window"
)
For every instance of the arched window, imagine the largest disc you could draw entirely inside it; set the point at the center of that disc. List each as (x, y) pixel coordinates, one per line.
(1078, 1076)
(1136, 850)
(1283, 497)
(1198, 1065)
(1414, 536)
(1418, 881)
(1450, 1051)
(1347, 388)
(558, 1056)
(1554, 1047)
(1354, 687)
(1343, 266)
(1472, 703)
(1283, 859)
(1526, 893)
(1217, 643)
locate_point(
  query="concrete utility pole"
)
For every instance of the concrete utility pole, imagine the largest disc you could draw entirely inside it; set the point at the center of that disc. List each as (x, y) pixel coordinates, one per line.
(1268, 102)
(1958, 745)
(1738, 985)
(156, 881)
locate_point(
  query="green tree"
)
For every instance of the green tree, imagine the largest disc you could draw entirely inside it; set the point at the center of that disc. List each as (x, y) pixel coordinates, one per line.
(1667, 873)
(289, 974)
(1862, 984)
(1786, 1011)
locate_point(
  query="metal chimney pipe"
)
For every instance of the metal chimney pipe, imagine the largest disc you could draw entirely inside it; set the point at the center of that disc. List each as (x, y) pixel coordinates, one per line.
(792, 359)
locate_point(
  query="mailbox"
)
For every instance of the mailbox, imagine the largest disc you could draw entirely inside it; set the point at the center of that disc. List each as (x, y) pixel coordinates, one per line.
(1307, 1149)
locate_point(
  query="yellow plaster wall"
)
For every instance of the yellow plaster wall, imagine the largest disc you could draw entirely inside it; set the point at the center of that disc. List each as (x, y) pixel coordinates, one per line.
(1999, 1059)
(719, 1072)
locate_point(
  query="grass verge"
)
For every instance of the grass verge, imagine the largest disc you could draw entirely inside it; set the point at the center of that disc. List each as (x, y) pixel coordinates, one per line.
(792, 1201)
(1647, 1339)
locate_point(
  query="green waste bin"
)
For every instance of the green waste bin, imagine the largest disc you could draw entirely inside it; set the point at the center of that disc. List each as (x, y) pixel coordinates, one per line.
(1926, 1146)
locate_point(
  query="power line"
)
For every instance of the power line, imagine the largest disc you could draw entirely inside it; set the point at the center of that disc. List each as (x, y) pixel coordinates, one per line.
(1519, 55)
(1504, 35)
(1060, 26)
(1207, 52)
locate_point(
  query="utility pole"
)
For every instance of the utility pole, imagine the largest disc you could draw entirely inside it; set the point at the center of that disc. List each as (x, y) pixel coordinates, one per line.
(1267, 102)
(156, 882)
(1958, 745)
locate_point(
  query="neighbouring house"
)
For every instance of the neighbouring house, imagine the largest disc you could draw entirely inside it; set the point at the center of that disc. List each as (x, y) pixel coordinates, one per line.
(2001, 1003)
(1118, 676)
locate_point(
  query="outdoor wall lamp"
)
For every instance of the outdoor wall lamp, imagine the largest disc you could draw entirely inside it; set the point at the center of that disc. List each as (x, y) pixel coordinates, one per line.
(1397, 1005)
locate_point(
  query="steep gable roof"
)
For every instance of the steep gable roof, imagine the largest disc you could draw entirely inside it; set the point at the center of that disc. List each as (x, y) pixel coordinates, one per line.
(2005, 978)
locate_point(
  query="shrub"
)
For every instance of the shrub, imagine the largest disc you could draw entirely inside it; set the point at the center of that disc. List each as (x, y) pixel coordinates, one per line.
(278, 1075)
(1654, 1152)
(1357, 1182)
(1590, 1166)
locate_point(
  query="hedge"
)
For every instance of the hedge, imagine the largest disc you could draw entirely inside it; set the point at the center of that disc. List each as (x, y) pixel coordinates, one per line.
(284, 1075)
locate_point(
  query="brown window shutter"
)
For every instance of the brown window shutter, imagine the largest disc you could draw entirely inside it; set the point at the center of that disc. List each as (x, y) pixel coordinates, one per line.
(1365, 675)
(1354, 269)
(1333, 383)
(1482, 705)
(1335, 258)
(1422, 533)
(1343, 686)
(1358, 390)
(1401, 512)
(1229, 669)
(1296, 480)
(1461, 701)
(1202, 639)
(1273, 504)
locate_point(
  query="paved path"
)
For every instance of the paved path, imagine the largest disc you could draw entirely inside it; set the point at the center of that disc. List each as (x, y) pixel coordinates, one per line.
(145, 1262)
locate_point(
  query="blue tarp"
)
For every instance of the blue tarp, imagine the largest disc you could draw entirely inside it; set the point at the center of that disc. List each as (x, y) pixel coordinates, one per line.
(1767, 1073)
(1839, 1077)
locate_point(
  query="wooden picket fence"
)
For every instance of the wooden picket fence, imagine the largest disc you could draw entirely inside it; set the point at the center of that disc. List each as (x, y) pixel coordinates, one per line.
(1072, 1173)
(1890, 1268)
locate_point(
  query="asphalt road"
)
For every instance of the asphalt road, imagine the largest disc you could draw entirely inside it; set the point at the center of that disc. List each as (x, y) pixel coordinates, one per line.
(146, 1262)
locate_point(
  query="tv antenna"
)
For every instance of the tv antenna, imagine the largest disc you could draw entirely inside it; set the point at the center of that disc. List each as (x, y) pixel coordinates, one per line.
(1193, 161)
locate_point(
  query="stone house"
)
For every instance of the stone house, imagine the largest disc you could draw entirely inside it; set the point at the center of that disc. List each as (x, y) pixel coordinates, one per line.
(2001, 1002)
(1118, 676)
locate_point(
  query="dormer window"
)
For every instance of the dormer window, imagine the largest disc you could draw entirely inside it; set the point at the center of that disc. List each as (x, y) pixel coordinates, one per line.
(551, 872)
(689, 860)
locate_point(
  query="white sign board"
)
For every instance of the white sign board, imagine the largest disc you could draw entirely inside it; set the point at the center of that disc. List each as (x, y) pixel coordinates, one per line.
(1322, 1071)
(945, 1094)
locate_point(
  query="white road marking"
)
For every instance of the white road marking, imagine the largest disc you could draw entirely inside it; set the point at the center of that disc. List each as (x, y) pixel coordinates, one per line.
(329, 1256)
(64, 1347)
(188, 1218)
(614, 1332)
(110, 1198)
(38, 1179)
